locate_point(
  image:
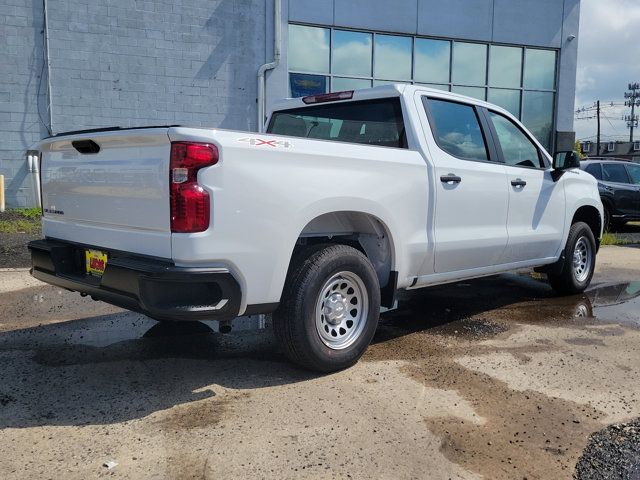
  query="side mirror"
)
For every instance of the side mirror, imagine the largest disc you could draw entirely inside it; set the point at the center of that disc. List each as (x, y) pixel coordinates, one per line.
(566, 160)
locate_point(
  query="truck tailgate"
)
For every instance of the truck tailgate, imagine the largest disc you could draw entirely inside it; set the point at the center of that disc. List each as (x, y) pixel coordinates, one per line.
(117, 198)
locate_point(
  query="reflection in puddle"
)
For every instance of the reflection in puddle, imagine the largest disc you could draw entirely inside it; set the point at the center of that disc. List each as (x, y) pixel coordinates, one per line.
(487, 307)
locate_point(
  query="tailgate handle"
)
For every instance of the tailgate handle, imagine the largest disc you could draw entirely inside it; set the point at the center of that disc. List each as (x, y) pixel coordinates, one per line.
(86, 146)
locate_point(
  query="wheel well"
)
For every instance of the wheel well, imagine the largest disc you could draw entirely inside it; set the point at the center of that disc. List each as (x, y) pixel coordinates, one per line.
(591, 217)
(359, 230)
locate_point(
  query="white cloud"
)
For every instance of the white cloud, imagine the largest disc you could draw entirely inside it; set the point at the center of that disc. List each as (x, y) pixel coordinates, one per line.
(608, 59)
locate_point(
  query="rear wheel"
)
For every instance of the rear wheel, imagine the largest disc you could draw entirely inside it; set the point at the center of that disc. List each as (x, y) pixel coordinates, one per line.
(579, 261)
(329, 308)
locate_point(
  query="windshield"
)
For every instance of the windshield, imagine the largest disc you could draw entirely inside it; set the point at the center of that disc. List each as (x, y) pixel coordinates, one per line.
(371, 122)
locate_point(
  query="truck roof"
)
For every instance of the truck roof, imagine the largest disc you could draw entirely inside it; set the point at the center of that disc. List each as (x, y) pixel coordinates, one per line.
(387, 91)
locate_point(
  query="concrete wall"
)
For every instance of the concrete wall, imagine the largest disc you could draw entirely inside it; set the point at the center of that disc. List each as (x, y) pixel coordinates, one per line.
(20, 76)
(126, 63)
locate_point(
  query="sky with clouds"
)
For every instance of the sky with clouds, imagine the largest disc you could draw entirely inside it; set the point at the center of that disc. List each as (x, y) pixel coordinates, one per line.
(608, 60)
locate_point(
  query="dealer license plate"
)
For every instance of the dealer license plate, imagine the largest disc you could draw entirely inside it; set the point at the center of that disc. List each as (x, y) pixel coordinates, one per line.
(96, 261)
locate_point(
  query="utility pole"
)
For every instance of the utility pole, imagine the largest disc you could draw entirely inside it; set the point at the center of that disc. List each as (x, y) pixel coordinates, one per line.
(598, 137)
(633, 101)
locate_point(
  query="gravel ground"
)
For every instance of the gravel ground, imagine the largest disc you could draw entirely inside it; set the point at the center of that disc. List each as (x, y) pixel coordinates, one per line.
(13, 246)
(13, 249)
(612, 454)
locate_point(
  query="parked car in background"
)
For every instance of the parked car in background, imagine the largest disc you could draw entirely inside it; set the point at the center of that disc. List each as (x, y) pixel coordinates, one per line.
(619, 186)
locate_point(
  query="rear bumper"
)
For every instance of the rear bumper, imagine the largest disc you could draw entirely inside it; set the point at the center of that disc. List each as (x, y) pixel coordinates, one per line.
(155, 287)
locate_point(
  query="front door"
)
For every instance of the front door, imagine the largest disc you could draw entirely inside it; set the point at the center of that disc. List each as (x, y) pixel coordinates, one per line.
(536, 219)
(471, 197)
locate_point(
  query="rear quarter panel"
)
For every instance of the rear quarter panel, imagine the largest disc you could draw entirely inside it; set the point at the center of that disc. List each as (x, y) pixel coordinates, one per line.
(265, 189)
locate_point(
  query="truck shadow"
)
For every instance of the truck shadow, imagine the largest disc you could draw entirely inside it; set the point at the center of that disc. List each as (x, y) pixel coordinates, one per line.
(124, 366)
(116, 368)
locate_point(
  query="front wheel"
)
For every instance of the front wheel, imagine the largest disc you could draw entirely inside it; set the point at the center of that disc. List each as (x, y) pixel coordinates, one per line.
(329, 308)
(579, 261)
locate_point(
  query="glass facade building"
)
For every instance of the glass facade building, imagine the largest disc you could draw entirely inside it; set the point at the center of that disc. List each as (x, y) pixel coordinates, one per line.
(521, 79)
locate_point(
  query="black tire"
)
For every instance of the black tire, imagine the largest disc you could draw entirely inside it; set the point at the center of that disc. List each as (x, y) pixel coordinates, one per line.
(294, 321)
(568, 281)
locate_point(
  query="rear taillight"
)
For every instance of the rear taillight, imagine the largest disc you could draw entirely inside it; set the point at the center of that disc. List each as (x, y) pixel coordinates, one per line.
(190, 203)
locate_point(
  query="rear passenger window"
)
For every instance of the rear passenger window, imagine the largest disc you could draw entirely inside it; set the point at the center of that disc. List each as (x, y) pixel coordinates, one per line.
(456, 128)
(372, 122)
(517, 149)
(595, 170)
(614, 172)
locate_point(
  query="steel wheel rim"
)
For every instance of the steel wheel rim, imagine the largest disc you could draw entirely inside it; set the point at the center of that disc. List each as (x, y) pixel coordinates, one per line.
(582, 259)
(341, 310)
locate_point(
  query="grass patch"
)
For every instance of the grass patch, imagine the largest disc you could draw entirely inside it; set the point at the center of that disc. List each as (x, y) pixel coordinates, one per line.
(609, 238)
(29, 212)
(20, 220)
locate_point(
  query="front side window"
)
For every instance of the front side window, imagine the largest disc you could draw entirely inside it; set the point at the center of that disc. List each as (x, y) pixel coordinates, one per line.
(456, 128)
(517, 149)
(634, 173)
(614, 172)
(595, 170)
(372, 122)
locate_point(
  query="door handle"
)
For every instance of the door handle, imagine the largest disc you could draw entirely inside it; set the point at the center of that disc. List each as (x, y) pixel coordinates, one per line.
(450, 178)
(518, 182)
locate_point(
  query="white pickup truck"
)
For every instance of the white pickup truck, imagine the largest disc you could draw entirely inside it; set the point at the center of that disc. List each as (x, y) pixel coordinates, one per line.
(347, 199)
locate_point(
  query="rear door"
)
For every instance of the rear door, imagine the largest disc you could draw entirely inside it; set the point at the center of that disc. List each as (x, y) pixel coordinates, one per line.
(109, 189)
(634, 174)
(471, 198)
(617, 182)
(536, 219)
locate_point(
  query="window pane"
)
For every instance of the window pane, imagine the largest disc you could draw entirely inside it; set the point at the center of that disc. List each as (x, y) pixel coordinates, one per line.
(473, 92)
(433, 85)
(469, 64)
(634, 173)
(351, 53)
(537, 115)
(595, 170)
(302, 85)
(308, 49)
(377, 83)
(338, 84)
(456, 129)
(393, 57)
(614, 172)
(540, 69)
(517, 149)
(432, 60)
(507, 99)
(372, 122)
(505, 67)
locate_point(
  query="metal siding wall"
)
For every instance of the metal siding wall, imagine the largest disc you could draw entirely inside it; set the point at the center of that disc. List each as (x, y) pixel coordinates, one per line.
(311, 11)
(568, 66)
(468, 19)
(396, 16)
(528, 22)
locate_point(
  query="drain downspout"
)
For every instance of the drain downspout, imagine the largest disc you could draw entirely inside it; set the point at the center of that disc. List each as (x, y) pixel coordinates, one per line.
(277, 34)
(48, 59)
